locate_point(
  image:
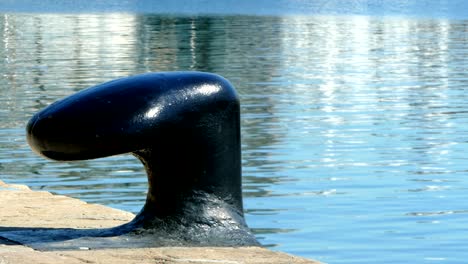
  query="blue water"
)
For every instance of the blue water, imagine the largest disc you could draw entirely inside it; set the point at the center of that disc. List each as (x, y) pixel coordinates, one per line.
(354, 113)
(421, 8)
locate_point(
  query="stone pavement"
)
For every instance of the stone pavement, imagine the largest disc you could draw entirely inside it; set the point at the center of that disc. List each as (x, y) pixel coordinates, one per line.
(22, 208)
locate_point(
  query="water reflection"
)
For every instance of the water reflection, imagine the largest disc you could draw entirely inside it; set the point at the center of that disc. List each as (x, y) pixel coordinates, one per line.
(348, 123)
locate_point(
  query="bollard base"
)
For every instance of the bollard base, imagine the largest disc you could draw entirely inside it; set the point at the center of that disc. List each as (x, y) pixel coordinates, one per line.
(23, 211)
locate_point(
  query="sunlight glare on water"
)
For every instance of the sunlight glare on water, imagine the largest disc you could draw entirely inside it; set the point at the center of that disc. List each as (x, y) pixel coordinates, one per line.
(354, 128)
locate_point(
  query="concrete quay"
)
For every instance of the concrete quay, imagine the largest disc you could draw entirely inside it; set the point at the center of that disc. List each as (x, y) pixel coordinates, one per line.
(24, 209)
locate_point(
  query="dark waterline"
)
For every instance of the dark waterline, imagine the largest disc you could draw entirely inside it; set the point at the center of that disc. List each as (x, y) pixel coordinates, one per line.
(353, 128)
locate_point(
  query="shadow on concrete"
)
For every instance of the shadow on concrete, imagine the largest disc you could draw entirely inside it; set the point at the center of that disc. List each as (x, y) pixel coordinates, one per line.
(69, 238)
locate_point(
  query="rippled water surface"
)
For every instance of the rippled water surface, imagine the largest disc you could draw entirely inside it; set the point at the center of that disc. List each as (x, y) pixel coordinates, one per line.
(354, 128)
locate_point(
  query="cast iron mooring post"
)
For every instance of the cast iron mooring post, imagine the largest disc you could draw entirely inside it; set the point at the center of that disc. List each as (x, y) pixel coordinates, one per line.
(185, 129)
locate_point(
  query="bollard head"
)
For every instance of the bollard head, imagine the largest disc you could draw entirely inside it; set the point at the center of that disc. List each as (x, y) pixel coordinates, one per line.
(128, 114)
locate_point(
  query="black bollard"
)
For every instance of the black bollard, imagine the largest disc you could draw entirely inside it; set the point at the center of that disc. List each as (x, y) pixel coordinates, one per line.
(185, 129)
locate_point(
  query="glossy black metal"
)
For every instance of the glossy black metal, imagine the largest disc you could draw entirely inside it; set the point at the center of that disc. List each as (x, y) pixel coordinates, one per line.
(185, 129)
